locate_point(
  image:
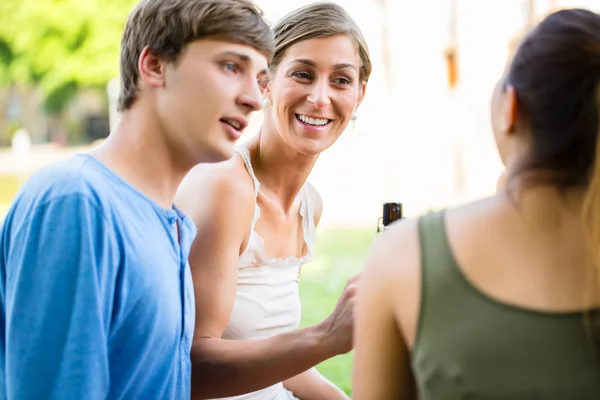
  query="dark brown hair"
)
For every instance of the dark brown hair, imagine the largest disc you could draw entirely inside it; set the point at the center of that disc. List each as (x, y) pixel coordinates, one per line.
(319, 20)
(556, 75)
(167, 26)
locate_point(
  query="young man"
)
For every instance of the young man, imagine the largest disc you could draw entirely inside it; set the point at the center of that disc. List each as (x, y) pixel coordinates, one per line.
(95, 290)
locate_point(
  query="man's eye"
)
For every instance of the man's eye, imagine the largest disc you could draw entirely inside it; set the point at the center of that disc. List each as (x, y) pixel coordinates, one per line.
(231, 67)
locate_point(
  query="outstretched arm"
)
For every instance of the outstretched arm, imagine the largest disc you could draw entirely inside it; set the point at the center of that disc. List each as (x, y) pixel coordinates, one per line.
(311, 385)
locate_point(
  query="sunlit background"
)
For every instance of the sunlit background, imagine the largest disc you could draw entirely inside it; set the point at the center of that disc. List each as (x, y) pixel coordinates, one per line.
(422, 136)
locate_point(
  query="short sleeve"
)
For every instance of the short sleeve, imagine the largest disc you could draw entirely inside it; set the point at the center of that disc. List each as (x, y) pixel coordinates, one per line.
(60, 267)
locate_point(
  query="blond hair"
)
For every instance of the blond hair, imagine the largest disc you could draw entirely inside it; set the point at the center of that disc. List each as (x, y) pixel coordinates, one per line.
(319, 20)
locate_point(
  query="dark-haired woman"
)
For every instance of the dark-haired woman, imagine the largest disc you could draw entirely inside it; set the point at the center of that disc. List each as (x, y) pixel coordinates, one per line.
(499, 298)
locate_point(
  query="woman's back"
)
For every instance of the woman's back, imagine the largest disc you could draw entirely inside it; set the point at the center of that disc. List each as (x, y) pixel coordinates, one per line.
(529, 252)
(502, 310)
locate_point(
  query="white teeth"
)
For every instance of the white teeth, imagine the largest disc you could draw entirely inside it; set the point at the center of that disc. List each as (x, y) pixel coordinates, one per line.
(312, 121)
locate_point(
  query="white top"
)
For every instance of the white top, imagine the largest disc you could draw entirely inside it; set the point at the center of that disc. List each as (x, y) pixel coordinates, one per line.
(266, 298)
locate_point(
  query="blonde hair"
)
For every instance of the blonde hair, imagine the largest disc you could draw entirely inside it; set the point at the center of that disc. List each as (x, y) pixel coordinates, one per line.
(315, 21)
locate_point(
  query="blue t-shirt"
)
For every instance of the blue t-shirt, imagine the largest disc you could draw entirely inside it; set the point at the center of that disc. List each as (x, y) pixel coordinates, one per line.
(96, 293)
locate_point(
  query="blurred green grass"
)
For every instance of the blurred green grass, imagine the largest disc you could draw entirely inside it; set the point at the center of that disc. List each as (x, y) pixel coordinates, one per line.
(339, 254)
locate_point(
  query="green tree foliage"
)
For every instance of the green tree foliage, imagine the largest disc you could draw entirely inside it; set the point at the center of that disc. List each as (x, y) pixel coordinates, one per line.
(60, 44)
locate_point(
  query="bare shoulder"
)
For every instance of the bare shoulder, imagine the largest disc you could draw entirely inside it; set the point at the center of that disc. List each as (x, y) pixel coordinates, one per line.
(316, 200)
(219, 189)
(393, 272)
(396, 252)
(478, 227)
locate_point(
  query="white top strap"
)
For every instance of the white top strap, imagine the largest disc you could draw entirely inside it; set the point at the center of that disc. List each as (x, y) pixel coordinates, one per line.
(306, 207)
(243, 151)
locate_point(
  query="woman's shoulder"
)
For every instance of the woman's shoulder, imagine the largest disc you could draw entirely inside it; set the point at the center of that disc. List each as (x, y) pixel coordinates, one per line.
(403, 236)
(399, 238)
(218, 185)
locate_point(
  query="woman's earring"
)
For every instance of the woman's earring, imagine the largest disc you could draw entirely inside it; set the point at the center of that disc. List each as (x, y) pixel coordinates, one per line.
(354, 116)
(265, 102)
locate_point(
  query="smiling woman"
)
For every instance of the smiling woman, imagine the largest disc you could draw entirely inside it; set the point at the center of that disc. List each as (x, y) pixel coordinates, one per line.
(314, 95)
(257, 217)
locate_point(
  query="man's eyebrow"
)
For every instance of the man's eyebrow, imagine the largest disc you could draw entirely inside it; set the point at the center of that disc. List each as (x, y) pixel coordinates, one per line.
(241, 56)
(311, 63)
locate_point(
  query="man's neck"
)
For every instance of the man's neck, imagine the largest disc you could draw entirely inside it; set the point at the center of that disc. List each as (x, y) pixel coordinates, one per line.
(140, 154)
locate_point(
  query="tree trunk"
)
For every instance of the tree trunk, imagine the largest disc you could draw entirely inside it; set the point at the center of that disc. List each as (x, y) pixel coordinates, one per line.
(31, 113)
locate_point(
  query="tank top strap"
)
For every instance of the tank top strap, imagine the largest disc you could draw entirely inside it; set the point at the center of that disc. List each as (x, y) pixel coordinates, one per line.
(307, 211)
(436, 257)
(245, 153)
(442, 285)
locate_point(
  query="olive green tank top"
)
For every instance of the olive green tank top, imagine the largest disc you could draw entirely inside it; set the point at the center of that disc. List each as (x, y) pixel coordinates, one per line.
(470, 346)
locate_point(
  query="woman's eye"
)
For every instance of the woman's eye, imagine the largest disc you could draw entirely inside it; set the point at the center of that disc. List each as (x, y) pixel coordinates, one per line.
(302, 75)
(343, 81)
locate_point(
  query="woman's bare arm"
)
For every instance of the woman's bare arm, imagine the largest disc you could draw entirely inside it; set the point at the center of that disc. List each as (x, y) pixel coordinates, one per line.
(389, 283)
(311, 385)
(221, 204)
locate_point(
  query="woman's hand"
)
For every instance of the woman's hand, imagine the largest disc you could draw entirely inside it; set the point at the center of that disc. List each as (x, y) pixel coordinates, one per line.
(339, 326)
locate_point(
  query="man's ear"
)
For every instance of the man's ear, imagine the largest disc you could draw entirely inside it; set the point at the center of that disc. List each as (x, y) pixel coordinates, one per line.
(151, 68)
